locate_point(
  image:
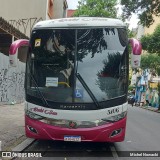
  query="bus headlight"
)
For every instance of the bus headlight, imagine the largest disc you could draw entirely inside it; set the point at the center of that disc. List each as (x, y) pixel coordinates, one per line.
(115, 118)
(80, 124)
(33, 115)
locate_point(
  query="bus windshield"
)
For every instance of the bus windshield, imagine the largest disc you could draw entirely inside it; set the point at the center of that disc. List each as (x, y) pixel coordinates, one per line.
(85, 65)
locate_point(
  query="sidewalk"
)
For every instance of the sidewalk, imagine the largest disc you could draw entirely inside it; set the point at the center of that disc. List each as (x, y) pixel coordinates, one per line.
(151, 109)
(154, 109)
(11, 126)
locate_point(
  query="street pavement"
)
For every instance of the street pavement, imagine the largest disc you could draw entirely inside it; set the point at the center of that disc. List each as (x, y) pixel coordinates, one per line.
(12, 124)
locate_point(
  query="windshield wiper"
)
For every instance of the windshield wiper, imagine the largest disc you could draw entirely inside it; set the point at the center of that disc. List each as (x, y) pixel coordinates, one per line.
(40, 93)
(88, 90)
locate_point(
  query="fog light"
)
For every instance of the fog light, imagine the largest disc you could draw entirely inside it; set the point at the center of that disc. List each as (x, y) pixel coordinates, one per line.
(116, 132)
(32, 129)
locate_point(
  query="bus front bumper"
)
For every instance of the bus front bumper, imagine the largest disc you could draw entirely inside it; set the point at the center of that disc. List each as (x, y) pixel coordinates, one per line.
(112, 132)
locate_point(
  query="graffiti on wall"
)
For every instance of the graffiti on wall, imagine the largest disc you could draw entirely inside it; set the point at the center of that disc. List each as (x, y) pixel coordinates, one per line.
(25, 24)
(3, 84)
(11, 86)
(11, 82)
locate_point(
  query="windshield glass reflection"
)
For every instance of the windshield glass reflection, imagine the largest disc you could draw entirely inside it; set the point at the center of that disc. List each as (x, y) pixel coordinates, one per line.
(102, 63)
(98, 56)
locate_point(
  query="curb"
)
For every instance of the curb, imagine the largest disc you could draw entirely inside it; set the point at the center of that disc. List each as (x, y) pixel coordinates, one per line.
(23, 145)
(150, 109)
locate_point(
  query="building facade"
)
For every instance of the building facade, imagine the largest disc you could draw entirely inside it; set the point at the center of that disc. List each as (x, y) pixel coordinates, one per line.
(147, 30)
(23, 14)
(70, 12)
(151, 29)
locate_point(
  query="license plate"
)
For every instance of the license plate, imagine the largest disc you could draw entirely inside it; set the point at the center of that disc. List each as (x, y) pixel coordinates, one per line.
(72, 138)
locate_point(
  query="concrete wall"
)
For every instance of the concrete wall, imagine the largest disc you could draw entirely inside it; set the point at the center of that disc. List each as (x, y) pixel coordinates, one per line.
(11, 81)
(60, 9)
(23, 14)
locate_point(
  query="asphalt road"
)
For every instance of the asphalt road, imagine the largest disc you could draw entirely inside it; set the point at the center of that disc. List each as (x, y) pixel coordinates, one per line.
(142, 134)
(143, 131)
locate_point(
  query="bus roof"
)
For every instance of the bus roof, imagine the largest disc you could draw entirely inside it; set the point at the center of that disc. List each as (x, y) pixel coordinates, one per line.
(79, 22)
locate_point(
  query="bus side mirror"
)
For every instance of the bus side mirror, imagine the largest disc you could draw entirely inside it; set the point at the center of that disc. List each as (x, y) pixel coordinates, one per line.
(136, 52)
(13, 51)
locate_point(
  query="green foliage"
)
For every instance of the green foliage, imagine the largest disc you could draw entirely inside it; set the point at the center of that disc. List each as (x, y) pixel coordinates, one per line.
(111, 64)
(96, 8)
(151, 42)
(131, 88)
(130, 34)
(144, 8)
(151, 61)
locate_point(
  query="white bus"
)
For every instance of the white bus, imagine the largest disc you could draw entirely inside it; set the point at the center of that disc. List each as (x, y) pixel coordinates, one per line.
(76, 81)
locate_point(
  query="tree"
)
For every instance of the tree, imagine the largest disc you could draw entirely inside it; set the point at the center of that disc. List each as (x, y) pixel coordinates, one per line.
(151, 42)
(144, 8)
(151, 61)
(97, 8)
(110, 77)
